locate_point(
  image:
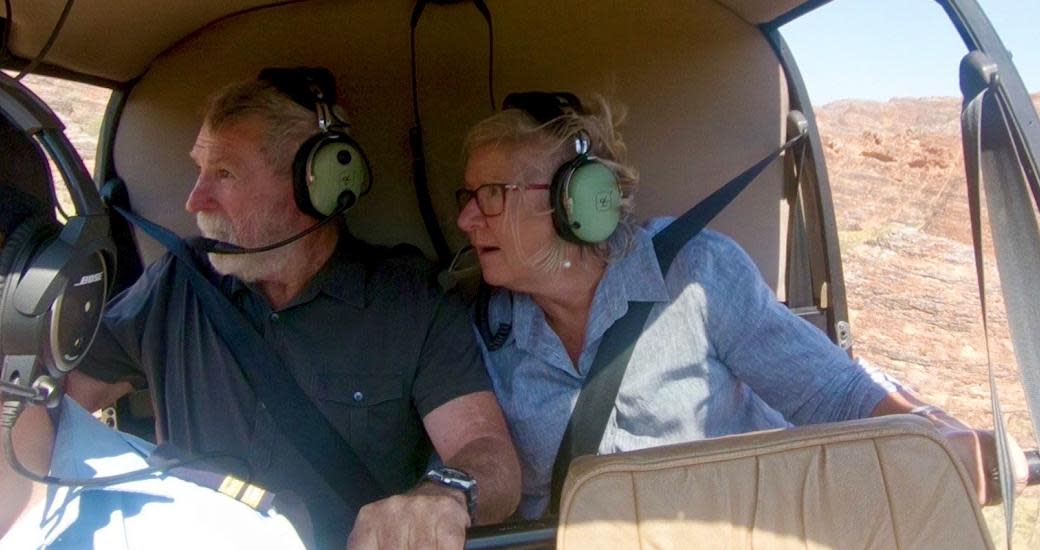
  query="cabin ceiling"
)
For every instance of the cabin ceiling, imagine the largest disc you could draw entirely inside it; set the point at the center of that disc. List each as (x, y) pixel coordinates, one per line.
(117, 40)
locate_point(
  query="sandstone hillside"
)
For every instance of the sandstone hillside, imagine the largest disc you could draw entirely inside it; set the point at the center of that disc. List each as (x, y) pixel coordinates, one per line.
(897, 178)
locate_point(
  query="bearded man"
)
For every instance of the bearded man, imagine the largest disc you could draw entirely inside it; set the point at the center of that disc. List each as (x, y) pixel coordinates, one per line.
(366, 333)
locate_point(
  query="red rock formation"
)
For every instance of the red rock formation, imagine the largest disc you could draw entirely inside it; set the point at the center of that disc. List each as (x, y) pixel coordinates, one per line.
(897, 178)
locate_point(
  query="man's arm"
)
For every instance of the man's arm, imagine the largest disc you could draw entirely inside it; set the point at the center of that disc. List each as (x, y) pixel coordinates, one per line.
(34, 442)
(976, 449)
(470, 434)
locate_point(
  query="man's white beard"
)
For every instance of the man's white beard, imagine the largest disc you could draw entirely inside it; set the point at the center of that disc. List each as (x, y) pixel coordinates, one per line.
(261, 229)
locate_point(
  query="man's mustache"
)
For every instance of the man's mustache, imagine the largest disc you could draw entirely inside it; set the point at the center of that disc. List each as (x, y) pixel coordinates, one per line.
(215, 226)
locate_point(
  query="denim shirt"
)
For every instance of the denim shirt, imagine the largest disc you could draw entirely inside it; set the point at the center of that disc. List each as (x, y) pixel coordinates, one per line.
(150, 513)
(718, 355)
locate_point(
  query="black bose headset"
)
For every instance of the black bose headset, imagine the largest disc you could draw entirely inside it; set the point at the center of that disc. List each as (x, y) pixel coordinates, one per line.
(54, 282)
(54, 279)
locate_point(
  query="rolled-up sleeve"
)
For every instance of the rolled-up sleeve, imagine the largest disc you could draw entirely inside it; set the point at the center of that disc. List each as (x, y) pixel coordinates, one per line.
(451, 364)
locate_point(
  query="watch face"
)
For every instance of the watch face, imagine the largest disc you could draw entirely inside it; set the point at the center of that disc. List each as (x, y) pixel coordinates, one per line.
(457, 479)
(451, 477)
(458, 476)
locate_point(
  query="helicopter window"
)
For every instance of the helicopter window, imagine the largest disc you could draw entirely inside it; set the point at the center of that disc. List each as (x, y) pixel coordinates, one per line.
(888, 111)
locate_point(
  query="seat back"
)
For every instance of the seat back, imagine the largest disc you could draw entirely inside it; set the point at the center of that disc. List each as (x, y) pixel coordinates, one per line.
(885, 483)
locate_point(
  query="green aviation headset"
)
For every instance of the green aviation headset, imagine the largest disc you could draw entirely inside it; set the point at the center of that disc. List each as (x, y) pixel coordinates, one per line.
(330, 170)
(584, 193)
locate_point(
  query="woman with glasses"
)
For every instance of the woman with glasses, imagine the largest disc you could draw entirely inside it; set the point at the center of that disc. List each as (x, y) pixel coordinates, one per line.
(547, 205)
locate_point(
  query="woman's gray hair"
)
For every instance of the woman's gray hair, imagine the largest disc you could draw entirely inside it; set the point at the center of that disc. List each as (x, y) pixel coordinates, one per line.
(288, 123)
(554, 142)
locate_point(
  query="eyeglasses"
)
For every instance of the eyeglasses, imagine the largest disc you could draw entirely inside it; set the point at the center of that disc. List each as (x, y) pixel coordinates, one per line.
(491, 197)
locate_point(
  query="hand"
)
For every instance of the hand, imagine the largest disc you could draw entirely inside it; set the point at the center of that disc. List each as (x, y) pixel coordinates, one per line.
(429, 516)
(977, 450)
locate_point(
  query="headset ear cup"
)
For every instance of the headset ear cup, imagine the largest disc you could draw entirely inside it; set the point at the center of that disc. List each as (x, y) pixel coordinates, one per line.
(30, 233)
(301, 188)
(588, 200)
(64, 329)
(338, 166)
(19, 248)
(558, 202)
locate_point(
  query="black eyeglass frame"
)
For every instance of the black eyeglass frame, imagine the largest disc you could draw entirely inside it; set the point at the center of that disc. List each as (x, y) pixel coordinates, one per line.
(463, 195)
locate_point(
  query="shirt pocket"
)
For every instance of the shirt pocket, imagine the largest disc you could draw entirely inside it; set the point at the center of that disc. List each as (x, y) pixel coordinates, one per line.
(370, 410)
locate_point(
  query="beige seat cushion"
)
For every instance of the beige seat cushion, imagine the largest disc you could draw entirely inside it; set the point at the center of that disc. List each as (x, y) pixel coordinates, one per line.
(884, 483)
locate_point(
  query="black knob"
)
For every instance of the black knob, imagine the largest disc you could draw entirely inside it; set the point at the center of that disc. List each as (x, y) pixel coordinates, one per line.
(1033, 461)
(343, 157)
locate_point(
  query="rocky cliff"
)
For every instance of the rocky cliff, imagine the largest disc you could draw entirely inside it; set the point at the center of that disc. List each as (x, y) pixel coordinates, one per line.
(897, 178)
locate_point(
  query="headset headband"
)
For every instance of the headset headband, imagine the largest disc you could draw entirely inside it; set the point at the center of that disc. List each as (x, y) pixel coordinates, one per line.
(544, 107)
(306, 86)
(33, 117)
(547, 108)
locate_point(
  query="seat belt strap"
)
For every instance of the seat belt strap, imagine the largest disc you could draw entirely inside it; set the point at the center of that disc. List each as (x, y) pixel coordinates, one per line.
(293, 412)
(669, 241)
(596, 401)
(971, 121)
(997, 166)
(1013, 221)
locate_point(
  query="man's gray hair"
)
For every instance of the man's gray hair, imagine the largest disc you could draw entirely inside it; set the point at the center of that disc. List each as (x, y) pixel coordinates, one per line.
(288, 123)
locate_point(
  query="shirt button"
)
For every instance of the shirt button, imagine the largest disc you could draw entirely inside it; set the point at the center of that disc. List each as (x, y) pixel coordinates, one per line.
(358, 396)
(274, 316)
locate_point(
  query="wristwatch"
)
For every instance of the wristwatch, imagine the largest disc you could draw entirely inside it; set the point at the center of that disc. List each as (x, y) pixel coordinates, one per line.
(457, 479)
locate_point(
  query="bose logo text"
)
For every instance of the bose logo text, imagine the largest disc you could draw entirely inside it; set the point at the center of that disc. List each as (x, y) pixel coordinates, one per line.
(90, 279)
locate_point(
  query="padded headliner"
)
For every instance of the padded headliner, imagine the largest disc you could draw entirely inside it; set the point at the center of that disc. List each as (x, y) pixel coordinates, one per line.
(705, 94)
(118, 39)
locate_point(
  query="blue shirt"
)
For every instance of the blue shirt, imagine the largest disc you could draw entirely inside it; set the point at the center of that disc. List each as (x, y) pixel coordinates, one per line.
(718, 355)
(152, 513)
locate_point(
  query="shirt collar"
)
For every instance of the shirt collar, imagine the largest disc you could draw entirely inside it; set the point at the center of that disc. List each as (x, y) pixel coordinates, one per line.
(634, 278)
(343, 276)
(637, 275)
